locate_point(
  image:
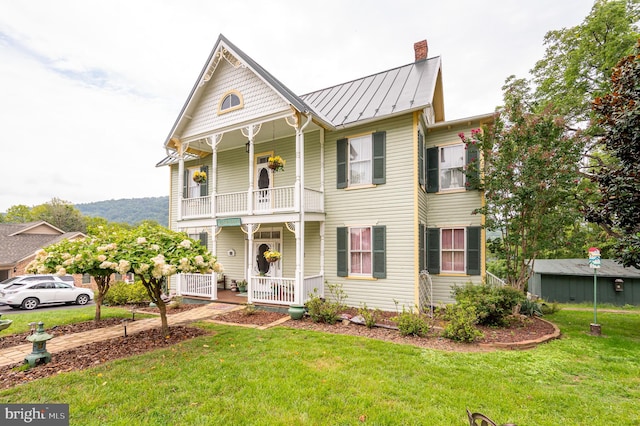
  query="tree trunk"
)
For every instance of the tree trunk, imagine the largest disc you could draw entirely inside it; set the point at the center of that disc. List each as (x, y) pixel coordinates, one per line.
(163, 316)
(98, 306)
(103, 287)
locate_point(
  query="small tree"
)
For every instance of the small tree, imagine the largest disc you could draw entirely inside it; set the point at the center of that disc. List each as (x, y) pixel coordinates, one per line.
(154, 253)
(528, 170)
(94, 256)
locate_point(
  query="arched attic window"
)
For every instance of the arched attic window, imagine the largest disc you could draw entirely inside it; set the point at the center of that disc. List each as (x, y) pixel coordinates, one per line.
(230, 101)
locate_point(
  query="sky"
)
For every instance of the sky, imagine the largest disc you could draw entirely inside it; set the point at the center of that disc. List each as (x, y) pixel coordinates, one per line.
(89, 89)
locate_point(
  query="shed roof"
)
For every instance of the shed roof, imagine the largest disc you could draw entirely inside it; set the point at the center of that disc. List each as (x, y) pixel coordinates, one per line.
(580, 267)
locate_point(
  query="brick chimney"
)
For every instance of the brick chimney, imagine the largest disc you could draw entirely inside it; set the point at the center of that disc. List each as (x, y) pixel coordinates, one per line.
(421, 50)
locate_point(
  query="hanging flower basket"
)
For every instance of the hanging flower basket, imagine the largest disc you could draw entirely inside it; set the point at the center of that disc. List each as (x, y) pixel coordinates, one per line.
(272, 255)
(200, 177)
(276, 163)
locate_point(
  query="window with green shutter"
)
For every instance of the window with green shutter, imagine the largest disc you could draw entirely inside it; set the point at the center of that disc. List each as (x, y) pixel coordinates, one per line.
(361, 251)
(446, 167)
(361, 160)
(454, 250)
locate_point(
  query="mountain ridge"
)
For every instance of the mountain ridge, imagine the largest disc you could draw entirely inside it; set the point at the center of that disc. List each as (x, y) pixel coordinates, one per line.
(129, 210)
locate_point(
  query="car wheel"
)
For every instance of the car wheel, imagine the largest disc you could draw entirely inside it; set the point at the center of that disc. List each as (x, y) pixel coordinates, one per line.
(83, 299)
(30, 303)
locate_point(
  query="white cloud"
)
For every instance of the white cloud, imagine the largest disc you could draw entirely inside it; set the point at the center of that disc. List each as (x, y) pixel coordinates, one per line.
(90, 89)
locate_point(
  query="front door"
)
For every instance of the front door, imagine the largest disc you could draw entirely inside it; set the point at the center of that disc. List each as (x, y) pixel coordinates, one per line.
(260, 265)
(264, 182)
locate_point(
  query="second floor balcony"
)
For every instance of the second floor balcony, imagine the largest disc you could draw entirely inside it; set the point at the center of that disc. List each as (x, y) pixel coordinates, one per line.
(257, 202)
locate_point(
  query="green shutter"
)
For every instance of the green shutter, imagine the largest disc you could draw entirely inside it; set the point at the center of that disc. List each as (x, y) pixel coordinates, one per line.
(343, 252)
(379, 141)
(432, 170)
(379, 251)
(472, 157)
(185, 184)
(420, 158)
(341, 161)
(474, 251)
(421, 247)
(204, 239)
(433, 250)
(204, 186)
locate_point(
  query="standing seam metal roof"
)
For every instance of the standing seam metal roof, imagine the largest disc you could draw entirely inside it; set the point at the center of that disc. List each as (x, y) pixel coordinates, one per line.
(400, 89)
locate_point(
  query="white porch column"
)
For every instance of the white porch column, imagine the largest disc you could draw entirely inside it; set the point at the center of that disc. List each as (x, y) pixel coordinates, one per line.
(300, 228)
(180, 185)
(250, 132)
(249, 260)
(214, 182)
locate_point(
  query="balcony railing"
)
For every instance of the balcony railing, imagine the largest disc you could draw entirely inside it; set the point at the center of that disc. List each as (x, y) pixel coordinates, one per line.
(265, 201)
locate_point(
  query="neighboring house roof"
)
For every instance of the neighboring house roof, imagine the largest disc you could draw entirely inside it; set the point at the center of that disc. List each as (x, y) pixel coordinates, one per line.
(19, 241)
(399, 90)
(580, 267)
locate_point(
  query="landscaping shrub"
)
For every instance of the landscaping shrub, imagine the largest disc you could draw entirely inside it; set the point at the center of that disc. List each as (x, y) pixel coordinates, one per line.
(548, 309)
(492, 304)
(530, 308)
(122, 293)
(462, 323)
(323, 310)
(412, 323)
(371, 316)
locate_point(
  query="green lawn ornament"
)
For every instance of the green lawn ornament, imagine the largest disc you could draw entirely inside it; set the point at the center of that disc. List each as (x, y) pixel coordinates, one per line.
(4, 323)
(39, 354)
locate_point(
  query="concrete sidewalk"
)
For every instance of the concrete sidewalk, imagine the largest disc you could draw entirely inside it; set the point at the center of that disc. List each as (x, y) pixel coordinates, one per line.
(17, 354)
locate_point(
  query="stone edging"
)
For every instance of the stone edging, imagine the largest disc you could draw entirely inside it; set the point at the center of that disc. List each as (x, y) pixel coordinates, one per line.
(525, 344)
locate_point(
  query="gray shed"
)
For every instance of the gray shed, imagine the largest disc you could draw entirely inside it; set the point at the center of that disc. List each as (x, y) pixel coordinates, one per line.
(571, 281)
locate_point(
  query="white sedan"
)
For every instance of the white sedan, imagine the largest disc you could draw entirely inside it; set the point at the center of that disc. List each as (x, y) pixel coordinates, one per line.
(32, 295)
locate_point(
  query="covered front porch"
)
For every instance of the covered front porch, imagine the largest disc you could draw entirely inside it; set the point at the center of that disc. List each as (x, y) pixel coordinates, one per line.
(260, 289)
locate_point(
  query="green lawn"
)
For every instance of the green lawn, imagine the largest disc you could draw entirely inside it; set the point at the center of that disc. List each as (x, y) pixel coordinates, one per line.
(281, 376)
(61, 317)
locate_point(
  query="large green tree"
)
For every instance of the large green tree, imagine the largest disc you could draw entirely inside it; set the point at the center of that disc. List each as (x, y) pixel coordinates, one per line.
(578, 61)
(19, 213)
(528, 168)
(617, 172)
(61, 214)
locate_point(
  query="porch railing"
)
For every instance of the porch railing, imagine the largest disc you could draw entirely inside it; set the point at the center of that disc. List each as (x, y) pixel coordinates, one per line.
(493, 280)
(282, 291)
(201, 285)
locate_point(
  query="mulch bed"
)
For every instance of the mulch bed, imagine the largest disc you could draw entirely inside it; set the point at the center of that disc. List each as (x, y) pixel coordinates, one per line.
(528, 330)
